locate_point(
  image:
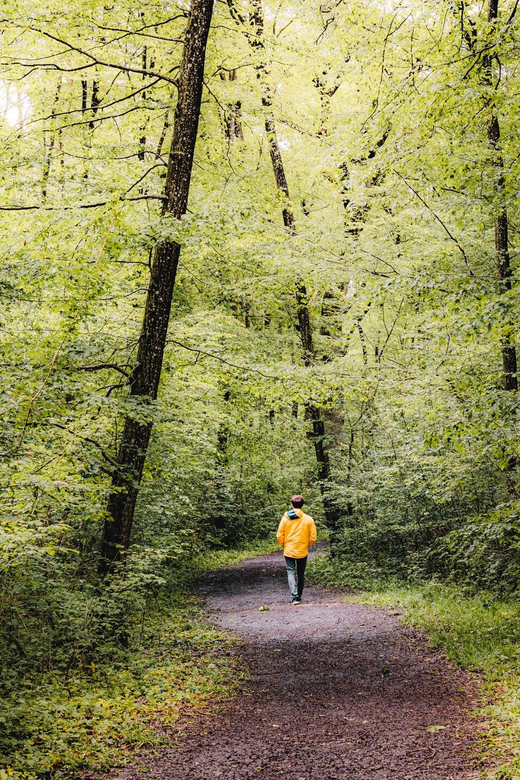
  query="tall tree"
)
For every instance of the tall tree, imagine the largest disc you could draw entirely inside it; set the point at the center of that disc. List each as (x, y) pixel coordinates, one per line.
(145, 377)
(502, 256)
(304, 325)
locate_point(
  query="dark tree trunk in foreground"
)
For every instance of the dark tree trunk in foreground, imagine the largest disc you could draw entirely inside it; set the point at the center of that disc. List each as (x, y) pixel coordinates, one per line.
(502, 256)
(304, 326)
(509, 362)
(144, 383)
(503, 260)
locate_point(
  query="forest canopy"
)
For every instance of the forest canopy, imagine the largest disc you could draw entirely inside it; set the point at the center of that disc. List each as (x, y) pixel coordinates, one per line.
(282, 259)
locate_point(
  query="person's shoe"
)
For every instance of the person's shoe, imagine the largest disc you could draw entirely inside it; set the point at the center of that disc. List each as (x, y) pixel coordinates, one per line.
(296, 600)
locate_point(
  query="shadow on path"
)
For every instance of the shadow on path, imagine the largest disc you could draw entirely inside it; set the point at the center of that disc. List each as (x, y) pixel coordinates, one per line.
(336, 692)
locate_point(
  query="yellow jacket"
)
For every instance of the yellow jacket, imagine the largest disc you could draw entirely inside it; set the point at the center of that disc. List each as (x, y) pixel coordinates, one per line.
(296, 536)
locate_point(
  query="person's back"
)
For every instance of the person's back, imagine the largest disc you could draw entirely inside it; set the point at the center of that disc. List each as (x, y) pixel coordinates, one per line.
(296, 534)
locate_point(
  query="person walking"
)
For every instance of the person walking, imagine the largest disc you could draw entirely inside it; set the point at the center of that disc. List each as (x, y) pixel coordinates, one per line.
(296, 534)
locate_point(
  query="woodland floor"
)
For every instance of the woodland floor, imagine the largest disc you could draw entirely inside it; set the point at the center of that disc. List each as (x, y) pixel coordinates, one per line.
(336, 692)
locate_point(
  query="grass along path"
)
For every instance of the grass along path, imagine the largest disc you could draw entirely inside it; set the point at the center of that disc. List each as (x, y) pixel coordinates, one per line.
(479, 632)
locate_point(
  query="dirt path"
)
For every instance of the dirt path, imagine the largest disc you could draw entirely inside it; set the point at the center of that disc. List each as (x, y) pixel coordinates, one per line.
(337, 692)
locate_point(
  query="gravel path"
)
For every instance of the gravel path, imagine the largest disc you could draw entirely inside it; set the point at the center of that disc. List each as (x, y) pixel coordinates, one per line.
(336, 692)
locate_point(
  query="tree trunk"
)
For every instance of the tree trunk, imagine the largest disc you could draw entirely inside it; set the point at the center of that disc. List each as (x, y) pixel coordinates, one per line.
(332, 514)
(141, 154)
(144, 382)
(95, 100)
(503, 262)
(232, 118)
(509, 361)
(49, 146)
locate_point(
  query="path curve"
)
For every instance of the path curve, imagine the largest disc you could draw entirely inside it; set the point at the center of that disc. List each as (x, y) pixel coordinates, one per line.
(336, 692)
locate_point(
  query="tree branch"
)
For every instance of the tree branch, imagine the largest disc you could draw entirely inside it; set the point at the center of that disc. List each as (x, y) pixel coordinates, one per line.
(40, 391)
(102, 366)
(99, 107)
(199, 352)
(145, 27)
(140, 179)
(439, 220)
(96, 60)
(37, 207)
(99, 119)
(107, 457)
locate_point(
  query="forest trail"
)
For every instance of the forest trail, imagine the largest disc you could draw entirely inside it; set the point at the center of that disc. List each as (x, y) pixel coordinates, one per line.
(336, 692)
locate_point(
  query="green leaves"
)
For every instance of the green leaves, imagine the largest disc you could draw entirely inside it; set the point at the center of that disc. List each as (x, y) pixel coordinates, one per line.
(89, 721)
(381, 114)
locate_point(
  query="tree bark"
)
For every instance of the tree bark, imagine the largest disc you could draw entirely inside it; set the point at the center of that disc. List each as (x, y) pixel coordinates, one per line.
(503, 260)
(49, 146)
(144, 382)
(95, 100)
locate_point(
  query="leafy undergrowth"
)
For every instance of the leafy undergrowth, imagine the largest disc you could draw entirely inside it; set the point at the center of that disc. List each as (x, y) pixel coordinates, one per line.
(61, 725)
(216, 559)
(480, 632)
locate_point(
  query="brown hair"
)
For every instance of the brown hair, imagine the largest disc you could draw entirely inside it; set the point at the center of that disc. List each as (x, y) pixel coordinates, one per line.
(297, 501)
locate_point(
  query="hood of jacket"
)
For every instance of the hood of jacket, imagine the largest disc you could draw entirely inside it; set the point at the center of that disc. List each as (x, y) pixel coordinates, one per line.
(294, 514)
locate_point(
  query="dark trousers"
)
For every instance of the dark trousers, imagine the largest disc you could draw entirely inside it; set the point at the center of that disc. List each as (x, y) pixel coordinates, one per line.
(295, 574)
